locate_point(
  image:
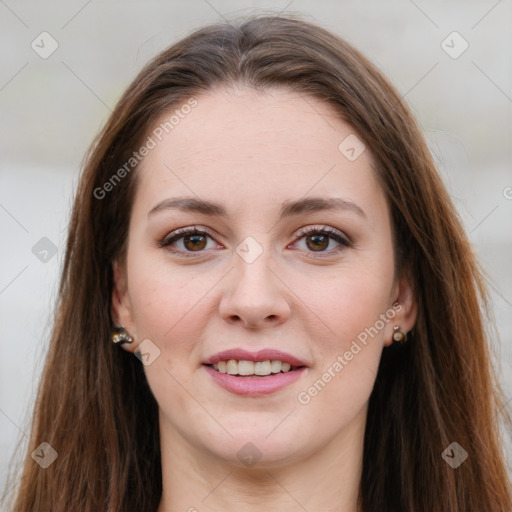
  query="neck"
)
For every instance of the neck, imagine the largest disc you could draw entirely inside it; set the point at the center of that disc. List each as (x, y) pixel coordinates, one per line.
(327, 480)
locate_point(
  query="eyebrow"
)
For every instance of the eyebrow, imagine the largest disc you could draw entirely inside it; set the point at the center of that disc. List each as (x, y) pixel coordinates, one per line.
(288, 208)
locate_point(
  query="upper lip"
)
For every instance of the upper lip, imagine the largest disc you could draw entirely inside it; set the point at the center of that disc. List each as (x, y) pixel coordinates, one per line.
(262, 355)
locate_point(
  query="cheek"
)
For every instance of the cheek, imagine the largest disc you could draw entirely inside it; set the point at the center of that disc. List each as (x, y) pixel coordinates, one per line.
(171, 308)
(347, 359)
(353, 305)
(356, 307)
(168, 302)
(350, 300)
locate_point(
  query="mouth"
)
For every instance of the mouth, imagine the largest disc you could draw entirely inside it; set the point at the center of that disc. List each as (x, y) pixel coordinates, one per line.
(248, 373)
(254, 378)
(244, 368)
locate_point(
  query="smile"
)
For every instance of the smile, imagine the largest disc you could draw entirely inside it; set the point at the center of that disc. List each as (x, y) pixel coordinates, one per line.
(252, 384)
(244, 368)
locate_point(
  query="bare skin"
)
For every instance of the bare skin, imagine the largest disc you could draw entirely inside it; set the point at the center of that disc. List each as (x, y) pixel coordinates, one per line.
(310, 297)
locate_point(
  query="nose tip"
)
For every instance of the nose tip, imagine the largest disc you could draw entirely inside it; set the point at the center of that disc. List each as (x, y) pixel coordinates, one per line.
(254, 297)
(253, 322)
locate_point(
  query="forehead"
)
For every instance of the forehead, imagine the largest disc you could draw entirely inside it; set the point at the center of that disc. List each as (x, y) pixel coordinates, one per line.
(246, 147)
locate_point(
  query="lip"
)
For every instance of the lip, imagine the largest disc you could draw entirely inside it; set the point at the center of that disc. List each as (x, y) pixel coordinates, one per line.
(262, 355)
(255, 386)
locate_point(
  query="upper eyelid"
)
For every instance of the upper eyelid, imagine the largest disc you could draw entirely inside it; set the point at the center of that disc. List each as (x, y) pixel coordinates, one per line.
(321, 227)
(179, 233)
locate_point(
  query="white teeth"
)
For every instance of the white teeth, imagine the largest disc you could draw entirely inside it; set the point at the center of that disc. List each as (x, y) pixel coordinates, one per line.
(243, 367)
(275, 366)
(262, 368)
(232, 367)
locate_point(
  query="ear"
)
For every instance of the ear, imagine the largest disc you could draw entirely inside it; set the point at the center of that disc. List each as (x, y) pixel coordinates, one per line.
(121, 309)
(405, 306)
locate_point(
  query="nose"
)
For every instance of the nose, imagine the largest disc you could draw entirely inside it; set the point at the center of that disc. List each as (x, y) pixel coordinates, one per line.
(255, 296)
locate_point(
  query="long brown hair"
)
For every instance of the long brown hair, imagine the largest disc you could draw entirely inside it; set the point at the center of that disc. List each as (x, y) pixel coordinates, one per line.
(94, 406)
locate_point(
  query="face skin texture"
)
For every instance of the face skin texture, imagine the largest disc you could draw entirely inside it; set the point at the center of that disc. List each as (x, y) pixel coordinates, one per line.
(250, 152)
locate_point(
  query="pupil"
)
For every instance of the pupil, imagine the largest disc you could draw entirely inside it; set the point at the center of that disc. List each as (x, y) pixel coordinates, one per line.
(318, 241)
(194, 239)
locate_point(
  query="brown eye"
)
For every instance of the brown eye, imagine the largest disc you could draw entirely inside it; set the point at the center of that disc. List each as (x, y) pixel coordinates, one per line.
(318, 242)
(186, 241)
(194, 242)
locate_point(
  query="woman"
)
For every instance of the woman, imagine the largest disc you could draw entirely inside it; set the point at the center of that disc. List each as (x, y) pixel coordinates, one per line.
(261, 225)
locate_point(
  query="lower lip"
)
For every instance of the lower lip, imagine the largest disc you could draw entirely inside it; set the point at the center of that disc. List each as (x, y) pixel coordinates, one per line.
(254, 386)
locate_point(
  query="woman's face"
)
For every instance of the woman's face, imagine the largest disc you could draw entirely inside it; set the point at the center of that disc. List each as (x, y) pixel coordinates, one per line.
(264, 176)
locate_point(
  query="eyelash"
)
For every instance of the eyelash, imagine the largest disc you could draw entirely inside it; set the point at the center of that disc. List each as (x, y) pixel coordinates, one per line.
(325, 230)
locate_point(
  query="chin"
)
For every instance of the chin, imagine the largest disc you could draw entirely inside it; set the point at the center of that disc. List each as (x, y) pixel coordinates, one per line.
(257, 449)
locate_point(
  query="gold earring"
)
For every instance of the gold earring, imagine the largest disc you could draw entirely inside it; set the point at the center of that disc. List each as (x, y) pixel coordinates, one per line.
(398, 335)
(120, 336)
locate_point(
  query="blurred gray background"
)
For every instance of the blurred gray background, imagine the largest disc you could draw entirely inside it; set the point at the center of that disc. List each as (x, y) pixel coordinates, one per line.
(451, 60)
